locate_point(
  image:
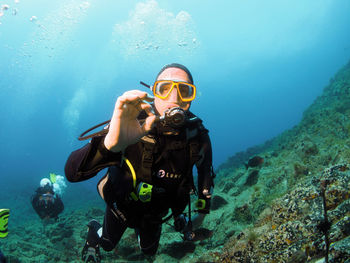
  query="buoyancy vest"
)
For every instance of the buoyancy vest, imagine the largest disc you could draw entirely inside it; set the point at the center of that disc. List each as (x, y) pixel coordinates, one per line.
(164, 158)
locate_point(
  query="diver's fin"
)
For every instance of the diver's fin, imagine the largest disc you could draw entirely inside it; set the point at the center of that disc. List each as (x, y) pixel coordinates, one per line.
(4, 215)
(91, 254)
(53, 178)
(91, 250)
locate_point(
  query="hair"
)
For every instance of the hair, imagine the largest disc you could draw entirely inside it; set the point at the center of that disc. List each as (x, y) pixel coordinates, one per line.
(177, 65)
(45, 189)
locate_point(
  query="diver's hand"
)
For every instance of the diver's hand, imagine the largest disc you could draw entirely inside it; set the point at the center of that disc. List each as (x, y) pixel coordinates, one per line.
(124, 127)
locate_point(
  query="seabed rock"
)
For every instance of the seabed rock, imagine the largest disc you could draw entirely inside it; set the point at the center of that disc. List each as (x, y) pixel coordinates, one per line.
(290, 228)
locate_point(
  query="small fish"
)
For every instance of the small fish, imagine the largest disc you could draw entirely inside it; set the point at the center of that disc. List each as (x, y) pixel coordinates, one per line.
(254, 162)
(202, 234)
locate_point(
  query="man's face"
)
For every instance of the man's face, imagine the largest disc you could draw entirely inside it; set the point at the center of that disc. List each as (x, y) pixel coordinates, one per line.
(173, 100)
(47, 199)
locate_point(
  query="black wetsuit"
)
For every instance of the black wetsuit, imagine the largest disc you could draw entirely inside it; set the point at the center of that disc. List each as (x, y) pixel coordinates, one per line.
(170, 173)
(46, 209)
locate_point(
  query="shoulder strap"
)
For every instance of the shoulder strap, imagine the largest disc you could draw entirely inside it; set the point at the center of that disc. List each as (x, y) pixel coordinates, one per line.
(147, 159)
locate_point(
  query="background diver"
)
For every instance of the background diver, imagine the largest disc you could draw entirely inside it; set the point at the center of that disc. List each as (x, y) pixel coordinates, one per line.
(46, 200)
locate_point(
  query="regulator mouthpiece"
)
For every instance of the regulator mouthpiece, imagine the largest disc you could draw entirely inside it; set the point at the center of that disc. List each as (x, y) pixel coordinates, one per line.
(174, 117)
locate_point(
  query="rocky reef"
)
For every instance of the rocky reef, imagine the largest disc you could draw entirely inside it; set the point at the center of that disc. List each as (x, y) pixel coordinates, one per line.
(292, 207)
(296, 207)
(297, 227)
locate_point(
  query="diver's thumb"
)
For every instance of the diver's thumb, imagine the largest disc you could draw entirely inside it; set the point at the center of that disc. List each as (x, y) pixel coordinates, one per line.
(148, 124)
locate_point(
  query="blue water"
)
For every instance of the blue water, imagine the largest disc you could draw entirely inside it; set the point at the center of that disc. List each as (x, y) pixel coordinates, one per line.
(257, 66)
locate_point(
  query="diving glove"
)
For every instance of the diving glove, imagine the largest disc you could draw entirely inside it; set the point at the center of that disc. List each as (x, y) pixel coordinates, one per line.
(184, 225)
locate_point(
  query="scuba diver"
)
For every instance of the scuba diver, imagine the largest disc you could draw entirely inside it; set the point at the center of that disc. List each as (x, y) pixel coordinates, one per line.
(46, 200)
(4, 215)
(150, 147)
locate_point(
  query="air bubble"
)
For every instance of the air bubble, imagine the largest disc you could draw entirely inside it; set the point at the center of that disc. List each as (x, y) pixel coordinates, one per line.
(33, 19)
(5, 7)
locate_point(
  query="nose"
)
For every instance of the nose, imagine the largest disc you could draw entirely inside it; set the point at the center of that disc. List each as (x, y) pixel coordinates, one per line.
(174, 96)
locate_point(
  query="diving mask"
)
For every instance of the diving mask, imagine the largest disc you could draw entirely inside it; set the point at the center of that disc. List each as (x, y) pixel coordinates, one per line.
(163, 88)
(47, 199)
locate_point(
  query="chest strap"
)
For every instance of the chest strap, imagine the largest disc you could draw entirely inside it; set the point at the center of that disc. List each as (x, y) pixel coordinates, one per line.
(147, 161)
(191, 145)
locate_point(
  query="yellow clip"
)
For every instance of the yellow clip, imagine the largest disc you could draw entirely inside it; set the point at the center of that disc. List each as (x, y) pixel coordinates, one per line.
(145, 192)
(200, 204)
(133, 196)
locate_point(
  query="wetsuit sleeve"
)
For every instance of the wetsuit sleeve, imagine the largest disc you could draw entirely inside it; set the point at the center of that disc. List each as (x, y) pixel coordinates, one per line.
(205, 171)
(87, 161)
